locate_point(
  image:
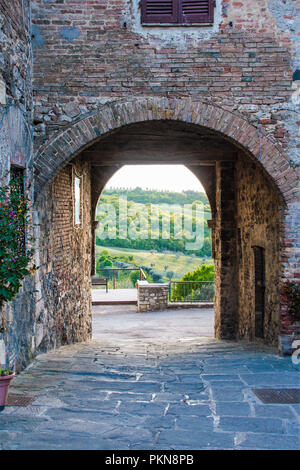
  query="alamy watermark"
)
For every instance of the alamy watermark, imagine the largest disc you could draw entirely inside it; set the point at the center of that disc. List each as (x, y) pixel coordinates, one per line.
(152, 221)
(296, 352)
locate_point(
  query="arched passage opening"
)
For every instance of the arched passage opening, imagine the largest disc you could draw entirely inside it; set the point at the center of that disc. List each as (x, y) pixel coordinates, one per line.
(160, 213)
(245, 202)
(156, 232)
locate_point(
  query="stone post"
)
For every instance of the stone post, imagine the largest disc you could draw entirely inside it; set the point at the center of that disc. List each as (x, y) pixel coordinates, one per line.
(152, 297)
(226, 269)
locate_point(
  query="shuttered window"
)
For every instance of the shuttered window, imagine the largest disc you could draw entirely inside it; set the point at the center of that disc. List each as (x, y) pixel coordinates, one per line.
(177, 11)
(159, 11)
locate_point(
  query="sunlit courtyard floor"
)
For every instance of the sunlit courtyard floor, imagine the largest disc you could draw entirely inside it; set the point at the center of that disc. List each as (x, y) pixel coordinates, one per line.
(122, 326)
(114, 295)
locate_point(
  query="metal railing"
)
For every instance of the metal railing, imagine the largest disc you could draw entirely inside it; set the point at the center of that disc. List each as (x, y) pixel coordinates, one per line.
(191, 291)
(112, 273)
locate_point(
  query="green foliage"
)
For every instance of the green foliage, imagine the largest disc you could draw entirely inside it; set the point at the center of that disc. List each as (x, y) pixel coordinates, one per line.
(15, 259)
(151, 199)
(201, 290)
(5, 372)
(206, 272)
(155, 276)
(107, 263)
(170, 275)
(178, 263)
(291, 291)
(153, 196)
(134, 277)
(123, 279)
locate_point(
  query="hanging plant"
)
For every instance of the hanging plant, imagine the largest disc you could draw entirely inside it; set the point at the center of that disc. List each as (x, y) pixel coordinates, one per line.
(291, 292)
(16, 256)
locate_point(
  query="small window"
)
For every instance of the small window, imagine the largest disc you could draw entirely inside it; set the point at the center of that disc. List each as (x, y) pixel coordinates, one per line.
(177, 12)
(77, 191)
(17, 179)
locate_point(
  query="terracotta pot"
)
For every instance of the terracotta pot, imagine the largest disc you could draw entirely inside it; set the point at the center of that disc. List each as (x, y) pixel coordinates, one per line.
(4, 386)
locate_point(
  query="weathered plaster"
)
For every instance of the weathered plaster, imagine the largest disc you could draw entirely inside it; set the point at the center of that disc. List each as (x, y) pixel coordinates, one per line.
(178, 36)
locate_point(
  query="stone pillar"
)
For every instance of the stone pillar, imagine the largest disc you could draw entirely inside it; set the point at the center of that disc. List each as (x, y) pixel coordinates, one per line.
(226, 269)
(95, 224)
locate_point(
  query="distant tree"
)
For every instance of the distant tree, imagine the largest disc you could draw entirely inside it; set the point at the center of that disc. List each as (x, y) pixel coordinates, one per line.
(170, 275)
(156, 276)
(104, 262)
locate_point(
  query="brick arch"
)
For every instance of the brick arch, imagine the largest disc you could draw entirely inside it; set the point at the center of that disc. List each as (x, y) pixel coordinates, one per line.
(53, 155)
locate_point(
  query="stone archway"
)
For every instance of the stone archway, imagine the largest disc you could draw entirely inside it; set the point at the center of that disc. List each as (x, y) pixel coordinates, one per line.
(82, 133)
(277, 177)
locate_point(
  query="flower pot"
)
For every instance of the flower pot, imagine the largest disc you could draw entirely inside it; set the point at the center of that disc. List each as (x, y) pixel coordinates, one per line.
(4, 386)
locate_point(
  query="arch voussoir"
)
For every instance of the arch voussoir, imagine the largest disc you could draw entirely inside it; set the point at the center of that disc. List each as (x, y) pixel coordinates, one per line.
(113, 115)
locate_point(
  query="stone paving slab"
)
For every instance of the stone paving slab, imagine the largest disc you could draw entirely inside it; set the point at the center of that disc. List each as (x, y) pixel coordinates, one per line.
(151, 394)
(149, 403)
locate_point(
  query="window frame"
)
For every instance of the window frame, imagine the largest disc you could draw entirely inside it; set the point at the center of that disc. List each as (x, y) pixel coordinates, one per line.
(18, 172)
(177, 12)
(75, 177)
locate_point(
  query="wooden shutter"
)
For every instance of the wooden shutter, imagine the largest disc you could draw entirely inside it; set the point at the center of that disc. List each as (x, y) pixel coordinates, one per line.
(159, 11)
(196, 11)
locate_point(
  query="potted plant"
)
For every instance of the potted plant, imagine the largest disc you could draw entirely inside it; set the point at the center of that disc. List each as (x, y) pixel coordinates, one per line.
(6, 375)
(16, 255)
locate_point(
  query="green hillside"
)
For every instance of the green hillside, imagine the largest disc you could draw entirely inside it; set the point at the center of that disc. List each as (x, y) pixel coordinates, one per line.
(147, 213)
(162, 263)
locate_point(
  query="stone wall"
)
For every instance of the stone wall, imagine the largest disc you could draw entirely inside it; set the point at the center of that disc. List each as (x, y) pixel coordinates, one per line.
(15, 84)
(258, 224)
(152, 297)
(245, 62)
(63, 302)
(16, 149)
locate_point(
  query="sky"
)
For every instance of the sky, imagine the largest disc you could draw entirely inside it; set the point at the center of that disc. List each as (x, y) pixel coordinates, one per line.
(163, 177)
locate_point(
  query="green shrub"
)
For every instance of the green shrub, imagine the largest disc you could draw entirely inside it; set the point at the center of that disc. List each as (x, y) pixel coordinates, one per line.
(188, 292)
(16, 260)
(205, 272)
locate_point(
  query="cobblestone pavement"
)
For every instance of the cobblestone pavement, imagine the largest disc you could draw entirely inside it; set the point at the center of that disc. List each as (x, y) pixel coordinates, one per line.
(152, 394)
